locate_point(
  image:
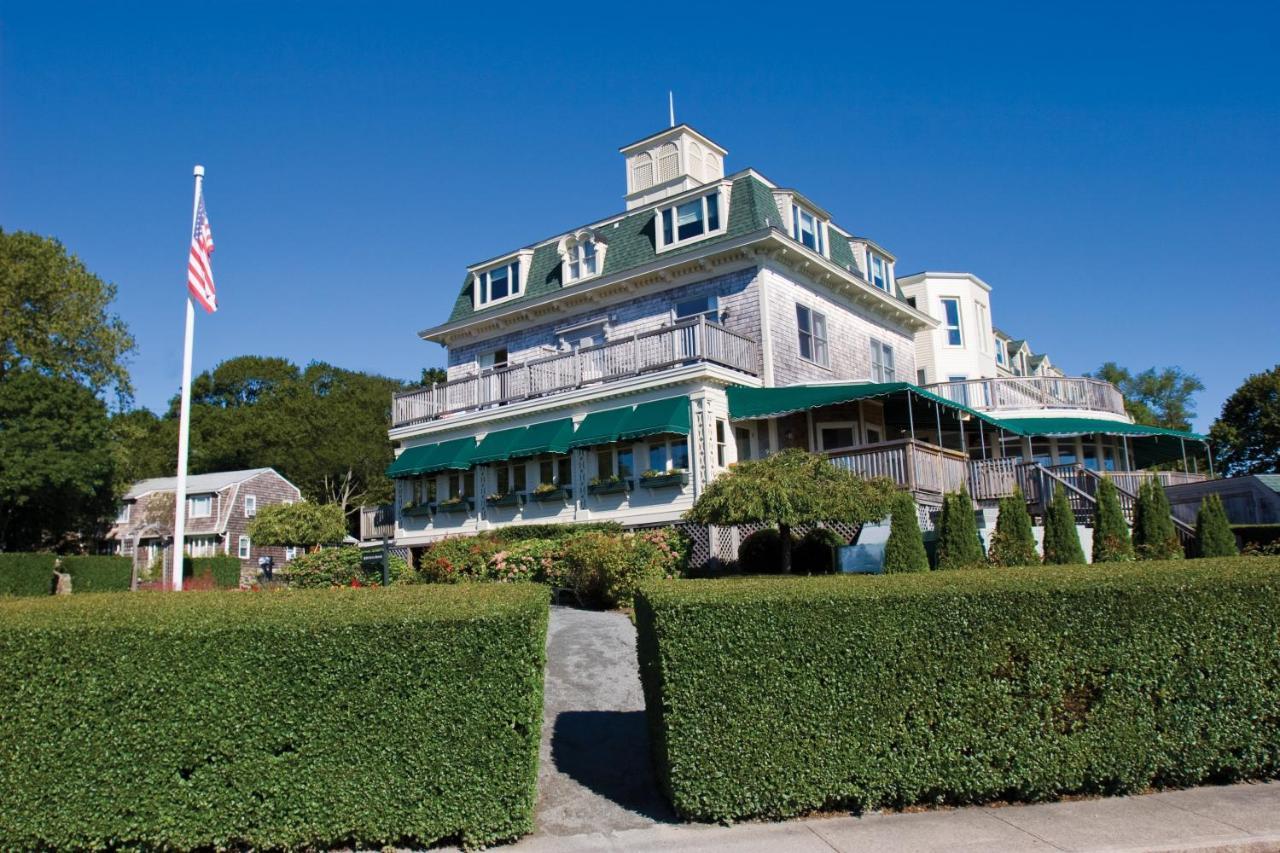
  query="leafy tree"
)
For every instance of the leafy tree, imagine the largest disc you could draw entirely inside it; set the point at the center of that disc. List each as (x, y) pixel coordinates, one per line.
(1246, 435)
(303, 524)
(1013, 543)
(1159, 397)
(788, 489)
(143, 446)
(1061, 539)
(434, 376)
(1213, 531)
(1154, 537)
(904, 552)
(54, 317)
(959, 546)
(1111, 543)
(55, 461)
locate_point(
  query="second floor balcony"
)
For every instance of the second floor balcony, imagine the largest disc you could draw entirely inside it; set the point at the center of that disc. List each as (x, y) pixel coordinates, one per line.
(684, 343)
(1029, 393)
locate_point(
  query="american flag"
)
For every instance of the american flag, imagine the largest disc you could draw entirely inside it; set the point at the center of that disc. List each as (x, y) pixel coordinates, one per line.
(199, 272)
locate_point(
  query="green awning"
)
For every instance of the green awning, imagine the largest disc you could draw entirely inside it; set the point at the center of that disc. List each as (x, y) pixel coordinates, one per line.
(1089, 426)
(600, 427)
(659, 417)
(413, 460)
(496, 446)
(547, 437)
(750, 403)
(428, 458)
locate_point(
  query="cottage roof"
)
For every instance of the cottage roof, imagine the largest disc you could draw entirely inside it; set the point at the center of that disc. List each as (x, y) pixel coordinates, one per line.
(196, 483)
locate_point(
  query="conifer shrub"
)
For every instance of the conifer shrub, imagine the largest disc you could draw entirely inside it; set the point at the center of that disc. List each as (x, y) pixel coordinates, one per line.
(815, 552)
(98, 573)
(1213, 531)
(959, 546)
(1154, 537)
(1061, 539)
(960, 687)
(1111, 542)
(26, 574)
(904, 551)
(1013, 543)
(298, 719)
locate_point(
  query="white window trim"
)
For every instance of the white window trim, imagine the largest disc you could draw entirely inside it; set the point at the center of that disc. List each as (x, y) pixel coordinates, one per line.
(243, 547)
(250, 506)
(570, 244)
(712, 312)
(879, 349)
(612, 451)
(826, 339)
(853, 426)
(524, 256)
(667, 444)
(191, 506)
(290, 553)
(946, 330)
(122, 517)
(888, 270)
(722, 218)
(821, 232)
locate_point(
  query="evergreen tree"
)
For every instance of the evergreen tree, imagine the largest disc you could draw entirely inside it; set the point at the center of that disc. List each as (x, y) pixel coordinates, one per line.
(958, 544)
(1013, 543)
(1111, 542)
(1153, 535)
(904, 552)
(1213, 531)
(1061, 541)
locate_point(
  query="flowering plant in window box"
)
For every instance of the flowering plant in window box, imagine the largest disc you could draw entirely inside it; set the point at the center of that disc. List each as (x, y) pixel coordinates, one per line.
(609, 485)
(457, 503)
(505, 499)
(549, 493)
(655, 479)
(414, 510)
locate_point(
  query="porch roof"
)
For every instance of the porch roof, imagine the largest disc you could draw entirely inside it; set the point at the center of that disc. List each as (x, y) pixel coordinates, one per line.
(750, 403)
(600, 427)
(428, 458)
(1089, 426)
(659, 417)
(496, 446)
(545, 437)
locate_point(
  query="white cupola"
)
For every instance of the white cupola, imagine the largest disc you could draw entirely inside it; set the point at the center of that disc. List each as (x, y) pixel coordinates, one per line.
(668, 163)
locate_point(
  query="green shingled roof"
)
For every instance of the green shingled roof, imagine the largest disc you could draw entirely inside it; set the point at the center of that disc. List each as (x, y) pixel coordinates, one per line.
(632, 244)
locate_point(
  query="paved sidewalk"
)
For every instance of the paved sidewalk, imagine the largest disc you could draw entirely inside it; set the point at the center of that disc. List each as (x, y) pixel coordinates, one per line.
(1243, 818)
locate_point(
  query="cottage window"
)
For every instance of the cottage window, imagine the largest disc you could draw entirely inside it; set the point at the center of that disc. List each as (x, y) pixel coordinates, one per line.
(122, 517)
(838, 435)
(670, 455)
(199, 506)
(722, 440)
(959, 392)
(808, 229)
(882, 369)
(703, 305)
(510, 479)
(582, 257)
(457, 485)
(615, 461)
(690, 220)
(813, 335)
(242, 550)
(1000, 357)
(290, 553)
(878, 267)
(499, 283)
(250, 506)
(556, 470)
(951, 316)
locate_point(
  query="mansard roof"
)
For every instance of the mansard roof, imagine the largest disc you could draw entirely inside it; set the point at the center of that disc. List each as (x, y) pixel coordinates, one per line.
(632, 243)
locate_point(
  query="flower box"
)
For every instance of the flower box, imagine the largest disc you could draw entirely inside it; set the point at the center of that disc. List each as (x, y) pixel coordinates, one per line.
(551, 496)
(615, 487)
(663, 481)
(416, 511)
(459, 505)
(512, 500)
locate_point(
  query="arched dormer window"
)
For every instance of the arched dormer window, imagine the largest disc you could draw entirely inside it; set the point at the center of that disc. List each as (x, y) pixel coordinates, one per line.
(641, 172)
(583, 255)
(668, 162)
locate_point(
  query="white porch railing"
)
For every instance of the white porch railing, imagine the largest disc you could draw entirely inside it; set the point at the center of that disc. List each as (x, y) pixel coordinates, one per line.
(696, 341)
(1033, 392)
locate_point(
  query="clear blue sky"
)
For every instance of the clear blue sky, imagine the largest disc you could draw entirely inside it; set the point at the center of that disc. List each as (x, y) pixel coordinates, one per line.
(1113, 170)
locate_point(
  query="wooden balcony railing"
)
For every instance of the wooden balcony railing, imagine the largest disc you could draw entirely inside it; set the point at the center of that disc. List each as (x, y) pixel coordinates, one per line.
(914, 465)
(1033, 392)
(377, 522)
(685, 343)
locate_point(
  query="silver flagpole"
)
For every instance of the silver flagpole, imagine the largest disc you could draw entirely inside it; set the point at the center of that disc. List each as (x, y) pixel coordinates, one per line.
(184, 421)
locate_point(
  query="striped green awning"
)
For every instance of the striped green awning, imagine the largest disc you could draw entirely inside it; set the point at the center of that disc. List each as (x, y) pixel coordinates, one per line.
(1089, 426)
(659, 417)
(496, 446)
(454, 454)
(547, 437)
(600, 427)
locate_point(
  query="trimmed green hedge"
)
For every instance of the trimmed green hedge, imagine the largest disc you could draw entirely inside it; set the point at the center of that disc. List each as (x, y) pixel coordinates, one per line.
(777, 696)
(26, 574)
(96, 573)
(224, 569)
(288, 719)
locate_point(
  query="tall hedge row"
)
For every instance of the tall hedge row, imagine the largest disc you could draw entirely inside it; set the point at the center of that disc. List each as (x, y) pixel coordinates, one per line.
(223, 569)
(271, 720)
(98, 573)
(26, 574)
(777, 696)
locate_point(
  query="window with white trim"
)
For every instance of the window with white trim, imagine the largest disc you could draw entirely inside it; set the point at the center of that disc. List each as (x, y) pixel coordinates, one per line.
(583, 257)
(511, 479)
(882, 367)
(1000, 355)
(201, 546)
(457, 485)
(290, 553)
(808, 229)
(122, 517)
(242, 548)
(689, 220)
(951, 321)
(878, 270)
(556, 471)
(722, 441)
(702, 305)
(669, 455)
(250, 506)
(615, 461)
(498, 283)
(199, 506)
(837, 435)
(813, 335)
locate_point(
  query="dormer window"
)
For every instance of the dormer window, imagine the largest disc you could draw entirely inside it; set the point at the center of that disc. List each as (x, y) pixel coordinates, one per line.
(501, 282)
(689, 220)
(583, 256)
(1000, 359)
(878, 270)
(808, 229)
